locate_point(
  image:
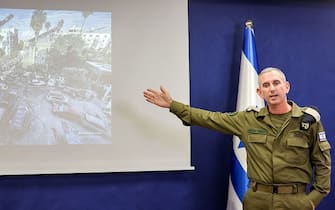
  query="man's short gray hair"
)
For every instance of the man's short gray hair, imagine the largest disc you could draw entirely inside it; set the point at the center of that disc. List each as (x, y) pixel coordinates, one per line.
(270, 69)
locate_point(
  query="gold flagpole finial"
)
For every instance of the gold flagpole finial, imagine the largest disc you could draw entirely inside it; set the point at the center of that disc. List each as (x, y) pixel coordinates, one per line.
(248, 23)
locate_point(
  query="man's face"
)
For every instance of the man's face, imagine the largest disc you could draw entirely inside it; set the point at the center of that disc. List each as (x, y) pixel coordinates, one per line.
(272, 88)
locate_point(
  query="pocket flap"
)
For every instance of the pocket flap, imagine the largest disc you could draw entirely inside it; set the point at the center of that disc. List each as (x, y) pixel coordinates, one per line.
(257, 138)
(297, 142)
(324, 145)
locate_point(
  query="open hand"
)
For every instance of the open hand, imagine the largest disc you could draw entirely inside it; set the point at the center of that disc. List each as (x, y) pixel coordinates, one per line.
(160, 98)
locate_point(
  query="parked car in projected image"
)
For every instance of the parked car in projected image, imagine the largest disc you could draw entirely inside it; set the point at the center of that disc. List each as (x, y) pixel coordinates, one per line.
(93, 122)
(57, 97)
(36, 82)
(21, 118)
(66, 111)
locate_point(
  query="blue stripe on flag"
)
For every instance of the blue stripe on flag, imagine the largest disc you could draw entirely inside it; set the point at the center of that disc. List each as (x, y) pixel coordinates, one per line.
(249, 47)
(238, 178)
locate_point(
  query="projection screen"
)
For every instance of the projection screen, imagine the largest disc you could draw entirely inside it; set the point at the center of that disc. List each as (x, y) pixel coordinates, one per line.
(72, 76)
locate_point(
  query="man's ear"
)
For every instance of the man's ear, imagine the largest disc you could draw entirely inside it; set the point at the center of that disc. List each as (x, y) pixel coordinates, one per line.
(288, 86)
(258, 90)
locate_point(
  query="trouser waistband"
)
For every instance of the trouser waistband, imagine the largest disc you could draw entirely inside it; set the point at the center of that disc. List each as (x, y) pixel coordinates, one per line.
(279, 188)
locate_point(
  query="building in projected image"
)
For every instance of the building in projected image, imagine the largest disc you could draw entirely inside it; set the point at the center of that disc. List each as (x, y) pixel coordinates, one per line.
(9, 44)
(54, 64)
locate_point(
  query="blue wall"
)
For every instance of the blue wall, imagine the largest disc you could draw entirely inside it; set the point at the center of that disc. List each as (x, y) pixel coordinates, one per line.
(297, 36)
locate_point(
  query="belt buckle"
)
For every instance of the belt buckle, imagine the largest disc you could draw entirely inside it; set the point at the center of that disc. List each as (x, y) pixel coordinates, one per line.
(275, 189)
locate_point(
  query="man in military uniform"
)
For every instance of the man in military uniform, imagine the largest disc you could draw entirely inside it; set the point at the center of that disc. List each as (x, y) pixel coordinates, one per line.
(284, 143)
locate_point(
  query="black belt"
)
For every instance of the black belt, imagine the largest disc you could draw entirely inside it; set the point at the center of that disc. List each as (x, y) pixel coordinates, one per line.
(279, 188)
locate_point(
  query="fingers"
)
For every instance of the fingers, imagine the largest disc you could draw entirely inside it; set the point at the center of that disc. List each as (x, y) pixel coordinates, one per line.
(151, 95)
(150, 100)
(152, 91)
(160, 98)
(148, 95)
(163, 89)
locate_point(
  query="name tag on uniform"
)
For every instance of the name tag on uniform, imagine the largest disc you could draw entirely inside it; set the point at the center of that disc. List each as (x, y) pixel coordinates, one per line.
(322, 136)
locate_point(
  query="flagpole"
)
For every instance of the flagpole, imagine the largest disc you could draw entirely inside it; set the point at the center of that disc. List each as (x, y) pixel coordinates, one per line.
(248, 23)
(248, 82)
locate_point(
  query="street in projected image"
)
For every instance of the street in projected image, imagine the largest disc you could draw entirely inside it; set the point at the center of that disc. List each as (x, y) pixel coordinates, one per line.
(55, 77)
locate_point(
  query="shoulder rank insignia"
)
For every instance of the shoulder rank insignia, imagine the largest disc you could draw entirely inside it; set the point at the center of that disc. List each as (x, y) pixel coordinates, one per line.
(252, 108)
(313, 111)
(311, 115)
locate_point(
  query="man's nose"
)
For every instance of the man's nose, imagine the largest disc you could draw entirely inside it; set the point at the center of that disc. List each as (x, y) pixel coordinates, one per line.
(272, 87)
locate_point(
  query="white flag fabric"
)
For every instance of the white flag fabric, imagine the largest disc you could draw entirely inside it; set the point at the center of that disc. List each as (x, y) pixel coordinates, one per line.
(247, 96)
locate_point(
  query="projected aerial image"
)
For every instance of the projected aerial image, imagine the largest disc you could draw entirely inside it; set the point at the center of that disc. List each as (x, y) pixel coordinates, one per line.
(55, 77)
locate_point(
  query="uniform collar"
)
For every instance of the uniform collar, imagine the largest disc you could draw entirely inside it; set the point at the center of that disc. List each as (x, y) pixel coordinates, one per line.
(296, 110)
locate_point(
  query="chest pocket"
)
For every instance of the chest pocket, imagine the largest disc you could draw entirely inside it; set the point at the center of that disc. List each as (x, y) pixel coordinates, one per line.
(298, 150)
(257, 146)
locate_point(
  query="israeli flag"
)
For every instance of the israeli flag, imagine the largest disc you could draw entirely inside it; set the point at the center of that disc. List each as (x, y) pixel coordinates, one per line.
(247, 96)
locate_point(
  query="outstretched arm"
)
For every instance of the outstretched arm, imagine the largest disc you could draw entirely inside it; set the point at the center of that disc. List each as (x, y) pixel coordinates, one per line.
(160, 98)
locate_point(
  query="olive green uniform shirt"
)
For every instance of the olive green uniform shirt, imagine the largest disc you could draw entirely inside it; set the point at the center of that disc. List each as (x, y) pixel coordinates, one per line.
(274, 156)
